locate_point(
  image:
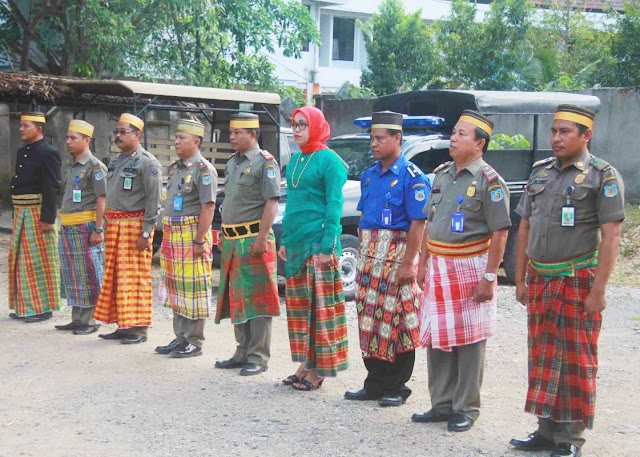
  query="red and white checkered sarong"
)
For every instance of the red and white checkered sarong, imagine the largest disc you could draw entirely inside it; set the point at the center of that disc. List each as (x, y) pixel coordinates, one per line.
(449, 314)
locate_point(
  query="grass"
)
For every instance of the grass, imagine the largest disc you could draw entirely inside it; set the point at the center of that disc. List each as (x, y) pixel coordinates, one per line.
(626, 270)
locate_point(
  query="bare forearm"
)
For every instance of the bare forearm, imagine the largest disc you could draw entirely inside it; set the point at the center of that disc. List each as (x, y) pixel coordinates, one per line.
(204, 222)
(496, 250)
(522, 259)
(424, 252)
(100, 207)
(414, 240)
(268, 215)
(607, 254)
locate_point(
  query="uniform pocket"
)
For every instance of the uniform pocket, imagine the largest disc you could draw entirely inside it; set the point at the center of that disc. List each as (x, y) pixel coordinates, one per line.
(247, 180)
(471, 204)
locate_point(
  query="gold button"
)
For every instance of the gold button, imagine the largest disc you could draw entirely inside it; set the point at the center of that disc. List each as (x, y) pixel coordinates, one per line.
(25, 155)
(20, 166)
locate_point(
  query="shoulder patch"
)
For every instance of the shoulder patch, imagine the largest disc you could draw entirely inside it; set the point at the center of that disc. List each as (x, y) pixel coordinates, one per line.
(266, 154)
(202, 165)
(413, 170)
(442, 166)
(490, 173)
(599, 164)
(539, 163)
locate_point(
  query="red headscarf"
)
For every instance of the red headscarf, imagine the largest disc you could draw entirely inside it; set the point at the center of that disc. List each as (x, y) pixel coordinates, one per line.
(319, 130)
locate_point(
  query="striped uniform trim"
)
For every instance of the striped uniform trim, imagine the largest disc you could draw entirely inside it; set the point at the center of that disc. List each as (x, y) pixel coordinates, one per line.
(125, 296)
(563, 347)
(458, 250)
(567, 268)
(34, 265)
(185, 284)
(316, 318)
(81, 217)
(387, 312)
(82, 265)
(248, 283)
(27, 200)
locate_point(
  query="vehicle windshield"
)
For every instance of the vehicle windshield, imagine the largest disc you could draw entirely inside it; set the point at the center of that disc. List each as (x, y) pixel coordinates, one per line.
(356, 152)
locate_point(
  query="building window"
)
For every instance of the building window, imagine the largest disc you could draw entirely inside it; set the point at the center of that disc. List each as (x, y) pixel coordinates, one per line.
(344, 33)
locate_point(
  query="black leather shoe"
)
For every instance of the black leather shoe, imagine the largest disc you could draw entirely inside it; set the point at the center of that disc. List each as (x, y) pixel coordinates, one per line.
(405, 392)
(250, 369)
(534, 442)
(226, 364)
(117, 335)
(566, 450)
(168, 348)
(86, 329)
(433, 415)
(359, 395)
(133, 339)
(38, 317)
(70, 326)
(15, 316)
(391, 400)
(459, 423)
(186, 350)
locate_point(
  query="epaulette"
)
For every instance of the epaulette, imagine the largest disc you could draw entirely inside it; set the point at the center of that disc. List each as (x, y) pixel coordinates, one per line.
(599, 164)
(539, 163)
(266, 154)
(442, 166)
(202, 165)
(174, 164)
(413, 170)
(489, 173)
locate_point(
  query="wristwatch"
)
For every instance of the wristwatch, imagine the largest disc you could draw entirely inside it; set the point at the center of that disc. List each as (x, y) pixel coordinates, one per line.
(98, 229)
(146, 234)
(490, 277)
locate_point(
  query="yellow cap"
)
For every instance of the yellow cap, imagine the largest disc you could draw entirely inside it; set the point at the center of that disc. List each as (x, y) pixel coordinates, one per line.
(193, 127)
(477, 119)
(80, 126)
(133, 120)
(244, 121)
(33, 117)
(577, 114)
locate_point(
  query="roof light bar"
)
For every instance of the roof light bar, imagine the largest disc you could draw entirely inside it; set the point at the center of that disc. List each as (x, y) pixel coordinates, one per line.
(408, 121)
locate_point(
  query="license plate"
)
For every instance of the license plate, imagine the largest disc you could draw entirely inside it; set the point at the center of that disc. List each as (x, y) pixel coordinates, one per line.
(215, 236)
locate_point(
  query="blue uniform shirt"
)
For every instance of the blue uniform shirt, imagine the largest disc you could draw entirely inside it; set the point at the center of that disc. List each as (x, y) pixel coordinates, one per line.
(403, 188)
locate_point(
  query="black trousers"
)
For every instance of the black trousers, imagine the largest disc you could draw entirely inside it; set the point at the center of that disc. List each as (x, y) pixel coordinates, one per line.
(389, 378)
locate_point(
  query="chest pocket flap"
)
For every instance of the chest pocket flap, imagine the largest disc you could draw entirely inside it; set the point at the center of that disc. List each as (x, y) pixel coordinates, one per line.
(472, 203)
(248, 180)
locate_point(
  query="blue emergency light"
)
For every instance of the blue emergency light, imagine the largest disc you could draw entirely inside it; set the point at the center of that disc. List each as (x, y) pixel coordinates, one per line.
(408, 121)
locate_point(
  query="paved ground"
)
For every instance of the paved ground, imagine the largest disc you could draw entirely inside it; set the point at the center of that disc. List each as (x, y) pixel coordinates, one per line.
(68, 395)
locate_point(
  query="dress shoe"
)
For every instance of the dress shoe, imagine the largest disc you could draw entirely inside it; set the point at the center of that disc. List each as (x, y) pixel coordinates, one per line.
(459, 423)
(86, 329)
(359, 395)
(250, 369)
(534, 442)
(566, 450)
(182, 351)
(117, 335)
(38, 317)
(133, 339)
(433, 415)
(15, 316)
(168, 348)
(405, 392)
(226, 364)
(391, 400)
(70, 326)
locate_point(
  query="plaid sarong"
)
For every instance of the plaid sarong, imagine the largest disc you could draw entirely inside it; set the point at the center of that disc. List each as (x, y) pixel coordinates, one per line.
(185, 285)
(315, 318)
(82, 265)
(34, 265)
(563, 347)
(387, 312)
(125, 296)
(450, 316)
(248, 283)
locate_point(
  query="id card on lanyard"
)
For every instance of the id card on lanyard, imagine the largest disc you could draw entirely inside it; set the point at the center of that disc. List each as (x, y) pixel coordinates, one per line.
(76, 193)
(457, 218)
(386, 211)
(568, 211)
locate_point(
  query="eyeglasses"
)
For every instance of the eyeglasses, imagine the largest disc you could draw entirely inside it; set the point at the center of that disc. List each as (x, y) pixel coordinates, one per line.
(122, 132)
(300, 125)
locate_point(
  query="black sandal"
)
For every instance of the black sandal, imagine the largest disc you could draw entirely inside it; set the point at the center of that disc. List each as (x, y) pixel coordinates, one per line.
(291, 380)
(307, 385)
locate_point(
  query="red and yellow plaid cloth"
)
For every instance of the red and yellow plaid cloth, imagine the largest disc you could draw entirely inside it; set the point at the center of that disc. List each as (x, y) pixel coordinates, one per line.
(34, 265)
(387, 313)
(450, 316)
(563, 347)
(316, 319)
(125, 297)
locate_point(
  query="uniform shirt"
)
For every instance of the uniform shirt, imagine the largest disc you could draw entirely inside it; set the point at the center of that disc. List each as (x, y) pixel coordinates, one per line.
(485, 202)
(195, 180)
(402, 188)
(598, 198)
(38, 171)
(89, 176)
(250, 179)
(142, 170)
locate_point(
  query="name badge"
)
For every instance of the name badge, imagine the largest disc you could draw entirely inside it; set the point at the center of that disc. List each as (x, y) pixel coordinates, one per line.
(457, 222)
(127, 184)
(76, 196)
(568, 216)
(386, 216)
(177, 203)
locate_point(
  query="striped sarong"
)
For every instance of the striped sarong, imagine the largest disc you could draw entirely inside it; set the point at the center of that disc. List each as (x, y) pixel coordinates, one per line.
(563, 347)
(316, 319)
(185, 285)
(450, 316)
(125, 297)
(387, 313)
(34, 265)
(248, 283)
(82, 265)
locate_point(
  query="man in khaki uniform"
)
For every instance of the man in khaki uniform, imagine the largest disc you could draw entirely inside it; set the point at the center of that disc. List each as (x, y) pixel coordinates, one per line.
(562, 269)
(185, 255)
(465, 237)
(82, 227)
(248, 291)
(134, 183)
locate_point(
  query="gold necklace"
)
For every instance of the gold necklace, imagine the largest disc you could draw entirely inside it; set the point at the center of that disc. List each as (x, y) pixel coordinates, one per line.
(296, 184)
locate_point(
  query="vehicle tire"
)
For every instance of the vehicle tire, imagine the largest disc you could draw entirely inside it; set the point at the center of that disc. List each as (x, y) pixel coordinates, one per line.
(348, 262)
(509, 260)
(157, 241)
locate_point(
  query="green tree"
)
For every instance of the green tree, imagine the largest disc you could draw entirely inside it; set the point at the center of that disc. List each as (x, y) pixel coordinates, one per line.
(626, 47)
(399, 48)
